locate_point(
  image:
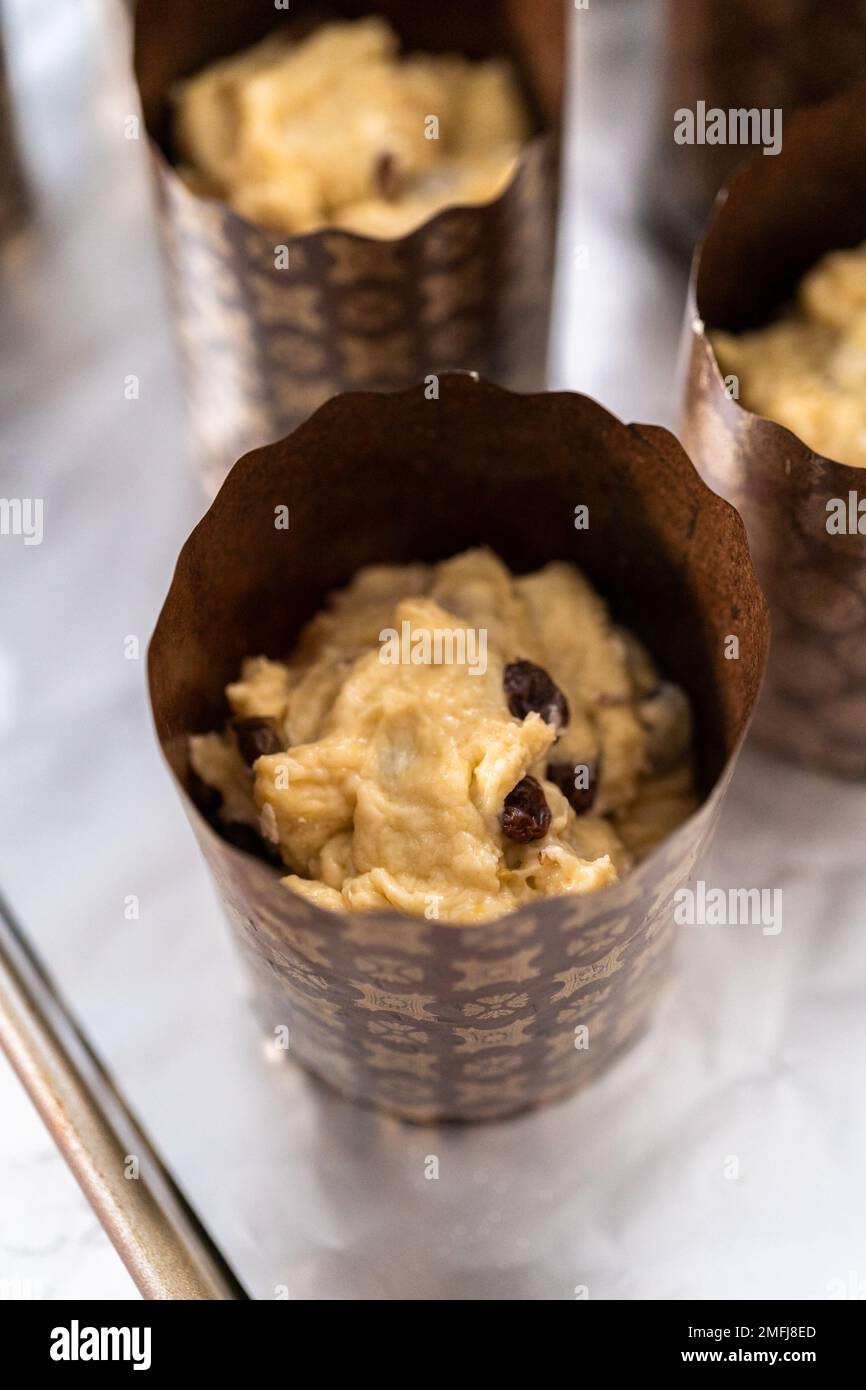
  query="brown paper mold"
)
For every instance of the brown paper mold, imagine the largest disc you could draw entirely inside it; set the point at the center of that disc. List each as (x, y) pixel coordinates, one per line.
(423, 1018)
(15, 196)
(776, 219)
(742, 54)
(469, 289)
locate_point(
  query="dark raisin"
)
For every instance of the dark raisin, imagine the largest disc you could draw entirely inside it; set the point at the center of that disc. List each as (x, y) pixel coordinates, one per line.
(256, 738)
(246, 837)
(526, 815)
(206, 798)
(563, 775)
(386, 176)
(242, 836)
(528, 687)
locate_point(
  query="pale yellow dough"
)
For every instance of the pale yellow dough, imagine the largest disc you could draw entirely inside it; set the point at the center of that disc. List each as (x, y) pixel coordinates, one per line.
(334, 131)
(392, 786)
(808, 370)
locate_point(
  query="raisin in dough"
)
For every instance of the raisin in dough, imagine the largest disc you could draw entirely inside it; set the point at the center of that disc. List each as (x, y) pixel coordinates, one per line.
(334, 131)
(391, 788)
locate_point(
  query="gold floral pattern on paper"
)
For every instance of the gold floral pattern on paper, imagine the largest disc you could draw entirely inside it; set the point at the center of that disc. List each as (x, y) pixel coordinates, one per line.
(270, 329)
(481, 974)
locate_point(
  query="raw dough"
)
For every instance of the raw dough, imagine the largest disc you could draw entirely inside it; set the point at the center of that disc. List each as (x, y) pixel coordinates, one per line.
(808, 370)
(333, 130)
(392, 786)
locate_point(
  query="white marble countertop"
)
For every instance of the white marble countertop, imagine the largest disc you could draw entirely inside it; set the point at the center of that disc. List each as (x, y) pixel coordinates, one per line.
(722, 1157)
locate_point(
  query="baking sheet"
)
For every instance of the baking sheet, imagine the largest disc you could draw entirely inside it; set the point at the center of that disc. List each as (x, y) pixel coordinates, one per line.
(755, 1067)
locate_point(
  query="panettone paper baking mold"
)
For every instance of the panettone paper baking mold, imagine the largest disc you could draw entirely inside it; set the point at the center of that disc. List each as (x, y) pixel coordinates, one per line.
(772, 223)
(424, 1018)
(270, 326)
(743, 56)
